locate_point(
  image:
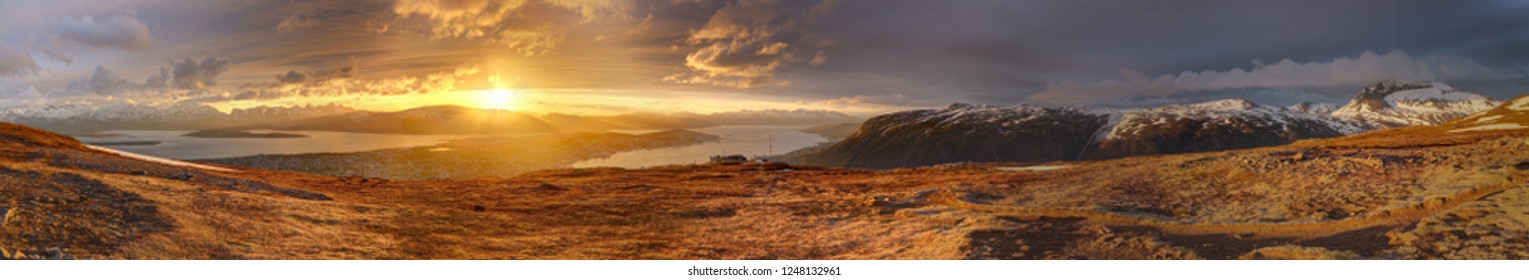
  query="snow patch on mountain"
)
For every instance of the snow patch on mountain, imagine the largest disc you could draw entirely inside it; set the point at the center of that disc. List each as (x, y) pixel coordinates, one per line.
(1226, 111)
(1388, 105)
(1495, 126)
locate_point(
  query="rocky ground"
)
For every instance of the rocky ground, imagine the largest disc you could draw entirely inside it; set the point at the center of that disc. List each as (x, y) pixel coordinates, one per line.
(1421, 193)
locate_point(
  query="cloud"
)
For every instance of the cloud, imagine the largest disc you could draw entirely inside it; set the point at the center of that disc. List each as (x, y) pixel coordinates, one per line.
(333, 85)
(878, 99)
(58, 56)
(103, 82)
(819, 59)
(1367, 68)
(118, 31)
(529, 27)
(744, 43)
(296, 22)
(190, 74)
(292, 77)
(339, 70)
(16, 63)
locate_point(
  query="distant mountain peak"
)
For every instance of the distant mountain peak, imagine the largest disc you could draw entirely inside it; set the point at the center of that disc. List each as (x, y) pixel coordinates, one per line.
(1230, 104)
(1393, 104)
(959, 106)
(1314, 108)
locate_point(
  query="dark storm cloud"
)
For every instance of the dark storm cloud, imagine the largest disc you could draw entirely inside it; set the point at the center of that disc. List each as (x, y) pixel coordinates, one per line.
(1005, 51)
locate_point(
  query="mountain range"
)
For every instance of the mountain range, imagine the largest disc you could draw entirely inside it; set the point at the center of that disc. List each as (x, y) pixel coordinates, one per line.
(464, 120)
(83, 119)
(982, 133)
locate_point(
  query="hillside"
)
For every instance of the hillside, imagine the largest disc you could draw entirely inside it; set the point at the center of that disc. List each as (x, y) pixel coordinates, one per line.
(834, 131)
(1454, 191)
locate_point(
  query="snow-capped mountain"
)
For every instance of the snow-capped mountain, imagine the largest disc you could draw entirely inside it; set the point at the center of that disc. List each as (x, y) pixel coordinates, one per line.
(1320, 109)
(1388, 105)
(274, 113)
(47, 112)
(147, 113)
(178, 116)
(962, 132)
(420, 120)
(1209, 126)
(779, 117)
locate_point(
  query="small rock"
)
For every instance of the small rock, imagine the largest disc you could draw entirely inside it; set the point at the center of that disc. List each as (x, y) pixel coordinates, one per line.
(5, 215)
(550, 187)
(54, 253)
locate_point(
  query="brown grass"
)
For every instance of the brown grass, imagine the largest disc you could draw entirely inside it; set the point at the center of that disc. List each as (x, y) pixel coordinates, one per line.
(1363, 197)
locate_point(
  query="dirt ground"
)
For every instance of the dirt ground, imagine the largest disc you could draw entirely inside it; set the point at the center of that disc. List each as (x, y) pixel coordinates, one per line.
(1391, 196)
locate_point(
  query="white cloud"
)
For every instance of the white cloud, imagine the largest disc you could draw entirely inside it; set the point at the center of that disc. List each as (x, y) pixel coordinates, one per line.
(1367, 68)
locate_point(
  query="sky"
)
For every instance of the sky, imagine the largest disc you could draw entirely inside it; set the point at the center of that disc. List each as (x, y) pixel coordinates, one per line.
(853, 56)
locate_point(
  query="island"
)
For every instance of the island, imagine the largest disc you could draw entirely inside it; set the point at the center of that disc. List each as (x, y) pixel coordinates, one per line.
(240, 134)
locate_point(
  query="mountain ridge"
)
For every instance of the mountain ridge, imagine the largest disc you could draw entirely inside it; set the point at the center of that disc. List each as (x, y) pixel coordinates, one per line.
(881, 142)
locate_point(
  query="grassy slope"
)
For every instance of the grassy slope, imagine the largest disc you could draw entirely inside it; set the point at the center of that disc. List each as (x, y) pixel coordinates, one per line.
(1408, 193)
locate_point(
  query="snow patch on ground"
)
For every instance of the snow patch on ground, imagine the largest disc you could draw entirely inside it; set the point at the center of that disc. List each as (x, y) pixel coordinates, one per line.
(1496, 126)
(1488, 118)
(1035, 168)
(160, 160)
(1522, 104)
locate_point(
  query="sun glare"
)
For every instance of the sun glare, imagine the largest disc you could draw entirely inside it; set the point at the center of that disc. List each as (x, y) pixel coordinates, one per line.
(499, 99)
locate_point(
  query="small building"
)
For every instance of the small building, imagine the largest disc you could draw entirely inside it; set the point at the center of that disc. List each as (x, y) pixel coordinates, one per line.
(729, 159)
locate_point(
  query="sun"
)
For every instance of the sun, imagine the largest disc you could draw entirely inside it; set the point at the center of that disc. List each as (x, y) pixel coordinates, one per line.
(499, 99)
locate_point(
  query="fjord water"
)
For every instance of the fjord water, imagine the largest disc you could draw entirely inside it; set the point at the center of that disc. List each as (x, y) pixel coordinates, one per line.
(173, 145)
(744, 140)
(741, 140)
